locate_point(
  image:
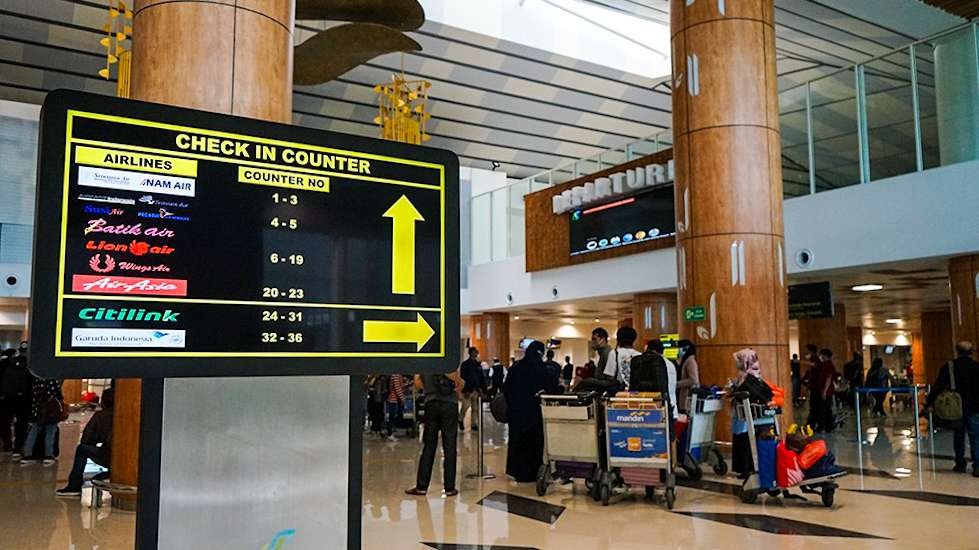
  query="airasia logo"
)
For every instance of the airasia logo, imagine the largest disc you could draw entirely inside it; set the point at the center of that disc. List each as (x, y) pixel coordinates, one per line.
(128, 285)
(99, 225)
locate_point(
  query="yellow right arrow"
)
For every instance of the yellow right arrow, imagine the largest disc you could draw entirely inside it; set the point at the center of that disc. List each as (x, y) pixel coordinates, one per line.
(417, 332)
(404, 216)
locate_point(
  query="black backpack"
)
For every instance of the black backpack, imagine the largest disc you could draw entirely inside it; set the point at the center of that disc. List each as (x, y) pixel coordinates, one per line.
(444, 386)
(649, 374)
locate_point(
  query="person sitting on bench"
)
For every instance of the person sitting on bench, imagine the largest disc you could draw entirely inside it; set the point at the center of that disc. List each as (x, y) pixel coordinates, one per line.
(96, 445)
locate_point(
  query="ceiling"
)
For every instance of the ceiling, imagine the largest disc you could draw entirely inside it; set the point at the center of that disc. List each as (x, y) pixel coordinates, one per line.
(607, 310)
(492, 100)
(963, 8)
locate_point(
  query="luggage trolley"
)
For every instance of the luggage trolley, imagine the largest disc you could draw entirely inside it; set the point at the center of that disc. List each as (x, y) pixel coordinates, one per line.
(697, 441)
(638, 436)
(573, 448)
(763, 479)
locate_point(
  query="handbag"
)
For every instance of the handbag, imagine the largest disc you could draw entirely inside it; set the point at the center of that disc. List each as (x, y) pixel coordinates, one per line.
(498, 408)
(948, 405)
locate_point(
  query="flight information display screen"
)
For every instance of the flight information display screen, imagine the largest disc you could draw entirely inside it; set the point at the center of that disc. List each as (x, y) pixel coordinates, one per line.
(623, 222)
(171, 242)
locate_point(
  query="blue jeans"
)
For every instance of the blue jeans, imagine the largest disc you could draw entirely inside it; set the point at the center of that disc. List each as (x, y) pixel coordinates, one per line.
(970, 426)
(49, 431)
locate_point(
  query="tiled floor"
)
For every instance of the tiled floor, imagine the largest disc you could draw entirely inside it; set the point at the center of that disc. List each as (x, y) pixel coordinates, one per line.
(904, 499)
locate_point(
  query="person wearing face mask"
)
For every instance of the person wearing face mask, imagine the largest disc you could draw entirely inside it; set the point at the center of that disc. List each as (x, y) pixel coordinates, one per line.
(748, 375)
(689, 376)
(525, 448)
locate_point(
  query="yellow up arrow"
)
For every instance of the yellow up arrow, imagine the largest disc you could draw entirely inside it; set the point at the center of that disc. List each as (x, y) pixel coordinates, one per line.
(417, 332)
(404, 215)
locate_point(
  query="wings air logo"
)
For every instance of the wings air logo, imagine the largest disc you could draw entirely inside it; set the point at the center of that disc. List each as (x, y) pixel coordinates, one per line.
(280, 539)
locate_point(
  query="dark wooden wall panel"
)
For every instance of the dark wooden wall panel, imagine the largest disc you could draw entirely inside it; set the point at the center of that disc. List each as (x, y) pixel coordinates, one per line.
(548, 235)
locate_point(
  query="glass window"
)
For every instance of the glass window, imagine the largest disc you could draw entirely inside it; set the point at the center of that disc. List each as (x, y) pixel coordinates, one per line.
(834, 130)
(480, 234)
(890, 116)
(498, 224)
(795, 142)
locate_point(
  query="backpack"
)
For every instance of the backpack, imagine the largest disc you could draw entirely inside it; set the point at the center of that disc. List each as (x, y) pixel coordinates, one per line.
(649, 374)
(51, 412)
(444, 386)
(948, 405)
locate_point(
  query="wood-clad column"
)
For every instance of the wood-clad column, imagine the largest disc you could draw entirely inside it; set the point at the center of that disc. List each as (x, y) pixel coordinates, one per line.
(72, 391)
(937, 345)
(963, 275)
(490, 334)
(653, 314)
(828, 332)
(730, 238)
(854, 341)
(226, 56)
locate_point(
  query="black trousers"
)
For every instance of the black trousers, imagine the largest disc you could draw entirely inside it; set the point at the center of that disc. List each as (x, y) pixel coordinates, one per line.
(6, 425)
(440, 417)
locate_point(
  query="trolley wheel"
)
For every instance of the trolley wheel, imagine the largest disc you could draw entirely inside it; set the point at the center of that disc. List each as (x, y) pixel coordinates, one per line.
(748, 496)
(670, 498)
(828, 495)
(720, 468)
(605, 491)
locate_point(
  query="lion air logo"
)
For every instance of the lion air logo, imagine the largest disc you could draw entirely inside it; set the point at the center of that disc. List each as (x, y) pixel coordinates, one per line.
(97, 266)
(139, 248)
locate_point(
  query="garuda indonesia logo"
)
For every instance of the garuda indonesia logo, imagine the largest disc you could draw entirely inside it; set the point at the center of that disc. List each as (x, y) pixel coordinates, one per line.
(280, 539)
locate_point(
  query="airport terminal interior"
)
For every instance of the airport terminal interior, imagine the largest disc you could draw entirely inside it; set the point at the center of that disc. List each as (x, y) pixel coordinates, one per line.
(489, 274)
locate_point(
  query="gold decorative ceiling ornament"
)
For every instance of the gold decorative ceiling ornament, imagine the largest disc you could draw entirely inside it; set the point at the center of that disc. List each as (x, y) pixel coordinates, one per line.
(403, 109)
(373, 28)
(118, 30)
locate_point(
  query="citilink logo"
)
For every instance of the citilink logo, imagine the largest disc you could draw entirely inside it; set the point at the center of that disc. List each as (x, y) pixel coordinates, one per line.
(280, 539)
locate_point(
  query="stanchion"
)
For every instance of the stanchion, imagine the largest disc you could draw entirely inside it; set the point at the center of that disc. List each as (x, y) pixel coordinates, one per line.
(480, 459)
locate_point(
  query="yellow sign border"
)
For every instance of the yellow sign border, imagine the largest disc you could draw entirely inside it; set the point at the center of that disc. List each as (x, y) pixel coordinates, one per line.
(69, 141)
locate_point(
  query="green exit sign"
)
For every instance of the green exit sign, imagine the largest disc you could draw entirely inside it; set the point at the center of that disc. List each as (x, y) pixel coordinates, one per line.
(696, 313)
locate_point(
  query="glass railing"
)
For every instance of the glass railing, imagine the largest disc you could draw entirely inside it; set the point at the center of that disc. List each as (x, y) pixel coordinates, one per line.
(880, 118)
(497, 217)
(861, 123)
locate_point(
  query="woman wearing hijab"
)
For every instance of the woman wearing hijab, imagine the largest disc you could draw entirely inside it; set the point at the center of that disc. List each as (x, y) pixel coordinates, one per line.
(525, 379)
(689, 375)
(746, 364)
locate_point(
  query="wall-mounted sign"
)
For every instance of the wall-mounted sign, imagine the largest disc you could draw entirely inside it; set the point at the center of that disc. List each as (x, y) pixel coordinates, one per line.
(618, 184)
(623, 222)
(694, 314)
(184, 243)
(811, 301)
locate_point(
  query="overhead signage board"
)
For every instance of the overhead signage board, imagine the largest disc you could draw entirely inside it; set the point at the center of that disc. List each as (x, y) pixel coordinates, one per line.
(811, 301)
(172, 242)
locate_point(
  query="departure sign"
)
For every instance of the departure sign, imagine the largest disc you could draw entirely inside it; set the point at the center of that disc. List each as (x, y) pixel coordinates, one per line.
(172, 242)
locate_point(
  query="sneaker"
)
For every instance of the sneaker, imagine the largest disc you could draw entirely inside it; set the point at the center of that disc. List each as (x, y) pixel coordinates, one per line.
(392, 438)
(27, 461)
(451, 492)
(462, 427)
(416, 492)
(49, 462)
(975, 471)
(959, 468)
(68, 492)
(16, 456)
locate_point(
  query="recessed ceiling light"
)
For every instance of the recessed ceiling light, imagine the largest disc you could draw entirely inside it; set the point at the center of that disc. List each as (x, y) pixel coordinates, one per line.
(868, 288)
(893, 321)
(572, 322)
(516, 317)
(598, 321)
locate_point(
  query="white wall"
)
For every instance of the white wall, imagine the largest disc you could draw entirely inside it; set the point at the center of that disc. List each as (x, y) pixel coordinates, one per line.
(915, 216)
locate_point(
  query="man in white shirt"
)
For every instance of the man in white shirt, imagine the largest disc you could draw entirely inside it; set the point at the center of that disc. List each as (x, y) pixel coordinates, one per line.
(619, 365)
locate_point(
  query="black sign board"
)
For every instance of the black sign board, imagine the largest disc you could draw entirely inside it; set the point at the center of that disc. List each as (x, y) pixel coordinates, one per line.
(811, 301)
(172, 242)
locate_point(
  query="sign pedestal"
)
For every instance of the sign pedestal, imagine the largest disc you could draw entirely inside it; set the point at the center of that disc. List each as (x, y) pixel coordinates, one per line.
(246, 462)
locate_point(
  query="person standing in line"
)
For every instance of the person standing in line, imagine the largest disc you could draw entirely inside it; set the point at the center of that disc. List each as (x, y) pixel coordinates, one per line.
(525, 447)
(600, 345)
(796, 367)
(619, 364)
(962, 376)
(473, 386)
(394, 404)
(553, 370)
(567, 372)
(6, 404)
(496, 378)
(46, 409)
(17, 387)
(442, 395)
(96, 445)
(853, 374)
(689, 377)
(821, 389)
(656, 346)
(879, 378)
